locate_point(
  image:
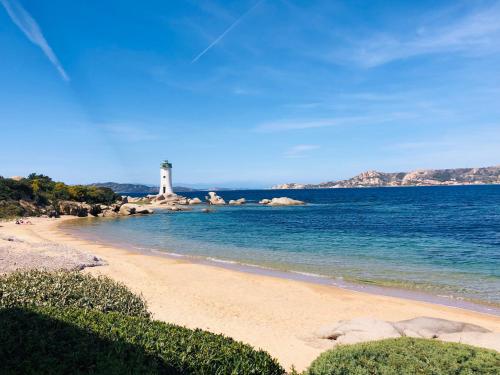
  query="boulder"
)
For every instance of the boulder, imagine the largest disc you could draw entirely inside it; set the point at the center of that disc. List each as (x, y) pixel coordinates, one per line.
(214, 199)
(359, 330)
(79, 209)
(282, 201)
(237, 202)
(433, 327)
(132, 209)
(194, 201)
(109, 213)
(127, 209)
(124, 199)
(369, 329)
(95, 209)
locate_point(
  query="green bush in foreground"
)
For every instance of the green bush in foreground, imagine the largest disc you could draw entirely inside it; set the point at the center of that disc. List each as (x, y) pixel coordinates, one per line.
(71, 340)
(406, 356)
(63, 289)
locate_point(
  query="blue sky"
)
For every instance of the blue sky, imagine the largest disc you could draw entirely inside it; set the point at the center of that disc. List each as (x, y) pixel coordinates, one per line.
(247, 93)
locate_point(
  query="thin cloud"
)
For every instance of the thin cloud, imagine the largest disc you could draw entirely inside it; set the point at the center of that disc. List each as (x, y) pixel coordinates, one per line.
(221, 36)
(300, 151)
(477, 33)
(285, 125)
(30, 28)
(289, 125)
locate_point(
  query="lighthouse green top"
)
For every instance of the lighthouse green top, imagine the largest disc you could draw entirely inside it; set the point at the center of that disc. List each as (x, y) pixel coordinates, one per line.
(166, 164)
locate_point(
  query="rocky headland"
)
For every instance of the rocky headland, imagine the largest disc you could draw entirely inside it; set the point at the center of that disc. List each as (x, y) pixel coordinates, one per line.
(425, 177)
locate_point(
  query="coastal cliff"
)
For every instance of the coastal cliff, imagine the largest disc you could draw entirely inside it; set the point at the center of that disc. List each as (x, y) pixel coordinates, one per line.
(427, 177)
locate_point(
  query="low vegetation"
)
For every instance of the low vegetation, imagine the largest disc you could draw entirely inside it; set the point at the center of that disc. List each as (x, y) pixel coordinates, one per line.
(67, 322)
(55, 341)
(69, 289)
(406, 356)
(31, 195)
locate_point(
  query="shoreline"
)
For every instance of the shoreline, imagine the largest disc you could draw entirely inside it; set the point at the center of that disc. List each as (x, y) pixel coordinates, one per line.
(276, 314)
(353, 286)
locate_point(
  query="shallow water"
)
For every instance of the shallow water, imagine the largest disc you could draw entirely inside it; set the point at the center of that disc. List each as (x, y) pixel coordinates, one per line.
(440, 240)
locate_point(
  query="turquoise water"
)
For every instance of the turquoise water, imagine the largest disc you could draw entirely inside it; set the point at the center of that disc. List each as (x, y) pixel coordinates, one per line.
(440, 240)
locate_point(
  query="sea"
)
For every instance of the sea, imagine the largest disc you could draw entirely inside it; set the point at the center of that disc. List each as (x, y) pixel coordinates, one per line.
(440, 244)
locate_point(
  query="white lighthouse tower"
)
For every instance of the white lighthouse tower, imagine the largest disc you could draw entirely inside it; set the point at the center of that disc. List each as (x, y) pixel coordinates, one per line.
(166, 178)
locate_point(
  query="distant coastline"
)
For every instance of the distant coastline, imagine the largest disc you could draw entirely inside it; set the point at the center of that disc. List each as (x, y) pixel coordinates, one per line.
(426, 177)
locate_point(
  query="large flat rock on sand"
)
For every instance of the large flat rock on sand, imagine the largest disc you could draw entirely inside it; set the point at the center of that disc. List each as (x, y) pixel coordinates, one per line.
(369, 329)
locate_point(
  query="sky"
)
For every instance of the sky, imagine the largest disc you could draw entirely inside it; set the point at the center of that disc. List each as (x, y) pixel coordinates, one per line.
(247, 93)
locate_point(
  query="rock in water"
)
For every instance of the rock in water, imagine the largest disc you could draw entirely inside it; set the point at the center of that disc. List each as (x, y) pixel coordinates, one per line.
(237, 202)
(194, 201)
(132, 209)
(214, 199)
(282, 201)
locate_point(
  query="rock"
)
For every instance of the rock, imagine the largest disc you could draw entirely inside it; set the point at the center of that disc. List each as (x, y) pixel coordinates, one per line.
(489, 340)
(124, 199)
(160, 197)
(132, 209)
(182, 201)
(369, 329)
(74, 208)
(109, 213)
(237, 202)
(171, 207)
(214, 199)
(194, 201)
(359, 330)
(433, 327)
(95, 209)
(283, 201)
(127, 209)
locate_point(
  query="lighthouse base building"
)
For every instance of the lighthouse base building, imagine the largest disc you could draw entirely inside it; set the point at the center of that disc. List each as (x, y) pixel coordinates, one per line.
(166, 178)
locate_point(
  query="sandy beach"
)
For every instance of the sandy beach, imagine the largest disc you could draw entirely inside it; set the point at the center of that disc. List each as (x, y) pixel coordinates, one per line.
(275, 314)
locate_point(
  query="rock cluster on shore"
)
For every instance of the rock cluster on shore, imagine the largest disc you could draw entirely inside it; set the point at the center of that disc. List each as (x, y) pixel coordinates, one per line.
(144, 205)
(82, 209)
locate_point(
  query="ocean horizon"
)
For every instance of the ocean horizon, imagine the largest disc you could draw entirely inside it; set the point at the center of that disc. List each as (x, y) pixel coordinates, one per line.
(441, 241)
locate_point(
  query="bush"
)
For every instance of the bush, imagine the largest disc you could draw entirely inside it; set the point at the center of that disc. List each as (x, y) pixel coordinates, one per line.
(406, 356)
(11, 209)
(71, 340)
(63, 289)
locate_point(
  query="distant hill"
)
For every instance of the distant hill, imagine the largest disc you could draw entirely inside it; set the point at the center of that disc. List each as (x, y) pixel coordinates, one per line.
(137, 188)
(427, 177)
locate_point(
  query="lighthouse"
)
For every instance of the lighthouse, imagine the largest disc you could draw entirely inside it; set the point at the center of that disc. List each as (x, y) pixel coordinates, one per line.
(166, 178)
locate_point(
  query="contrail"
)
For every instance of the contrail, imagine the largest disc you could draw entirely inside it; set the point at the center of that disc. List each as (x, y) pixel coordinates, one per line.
(30, 28)
(219, 38)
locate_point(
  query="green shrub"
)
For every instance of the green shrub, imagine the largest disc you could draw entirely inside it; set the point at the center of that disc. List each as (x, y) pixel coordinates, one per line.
(63, 289)
(406, 356)
(11, 209)
(71, 340)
